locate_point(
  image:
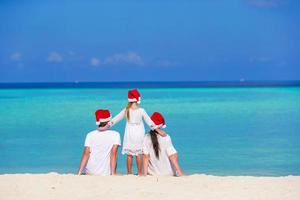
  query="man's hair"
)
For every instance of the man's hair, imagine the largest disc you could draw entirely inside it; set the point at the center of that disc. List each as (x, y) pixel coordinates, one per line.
(102, 124)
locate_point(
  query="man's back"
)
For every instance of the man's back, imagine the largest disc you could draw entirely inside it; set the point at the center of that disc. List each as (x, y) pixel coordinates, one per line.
(100, 144)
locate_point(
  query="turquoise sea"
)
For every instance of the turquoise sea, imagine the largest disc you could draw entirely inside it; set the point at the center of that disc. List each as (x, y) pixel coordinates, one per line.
(216, 130)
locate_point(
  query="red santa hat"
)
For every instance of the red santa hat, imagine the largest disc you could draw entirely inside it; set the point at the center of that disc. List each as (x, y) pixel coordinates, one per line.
(134, 96)
(158, 120)
(102, 116)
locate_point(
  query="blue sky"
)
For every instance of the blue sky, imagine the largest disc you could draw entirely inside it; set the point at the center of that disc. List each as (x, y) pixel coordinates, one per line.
(136, 40)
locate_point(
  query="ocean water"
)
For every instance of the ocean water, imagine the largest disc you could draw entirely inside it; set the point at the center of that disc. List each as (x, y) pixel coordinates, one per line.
(219, 131)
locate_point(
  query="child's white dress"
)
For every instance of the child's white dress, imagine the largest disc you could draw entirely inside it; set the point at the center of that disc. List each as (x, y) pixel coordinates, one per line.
(134, 130)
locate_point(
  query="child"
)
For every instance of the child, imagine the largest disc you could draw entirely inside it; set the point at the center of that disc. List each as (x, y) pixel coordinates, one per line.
(134, 130)
(160, 156)
(100, 149)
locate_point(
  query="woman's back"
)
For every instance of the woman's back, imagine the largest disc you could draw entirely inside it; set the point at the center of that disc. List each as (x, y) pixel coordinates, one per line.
(160, 165)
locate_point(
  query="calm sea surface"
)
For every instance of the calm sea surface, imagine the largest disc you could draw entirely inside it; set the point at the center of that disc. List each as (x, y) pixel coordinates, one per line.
(220, 131)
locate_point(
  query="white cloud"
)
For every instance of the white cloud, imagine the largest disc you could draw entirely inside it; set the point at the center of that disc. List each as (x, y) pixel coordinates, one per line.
(54, 57)
(16, 56)
(265, 3)
(129, 58)
(95, 62)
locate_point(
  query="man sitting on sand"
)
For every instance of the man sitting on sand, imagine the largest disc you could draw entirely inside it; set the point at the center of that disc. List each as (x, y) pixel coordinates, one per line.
(100, 149)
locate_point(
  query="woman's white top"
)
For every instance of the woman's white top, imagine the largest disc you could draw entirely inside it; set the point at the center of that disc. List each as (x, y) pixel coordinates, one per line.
(134, 130)
(161, 166)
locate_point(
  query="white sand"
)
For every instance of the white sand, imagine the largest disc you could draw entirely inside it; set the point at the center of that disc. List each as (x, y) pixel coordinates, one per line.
(54, 186)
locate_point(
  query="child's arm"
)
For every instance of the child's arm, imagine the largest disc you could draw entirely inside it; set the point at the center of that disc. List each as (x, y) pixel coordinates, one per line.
(117, 118)
(147, 119)
(161, 132)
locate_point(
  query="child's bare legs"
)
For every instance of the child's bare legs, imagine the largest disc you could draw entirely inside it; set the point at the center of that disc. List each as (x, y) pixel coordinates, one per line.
(129, 164)
(139, 163)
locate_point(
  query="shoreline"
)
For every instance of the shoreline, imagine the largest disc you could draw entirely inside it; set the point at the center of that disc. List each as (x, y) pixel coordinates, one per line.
(135, 175)
(197, 186)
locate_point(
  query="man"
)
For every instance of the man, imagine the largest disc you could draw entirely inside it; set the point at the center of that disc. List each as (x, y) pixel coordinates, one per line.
(101, 148)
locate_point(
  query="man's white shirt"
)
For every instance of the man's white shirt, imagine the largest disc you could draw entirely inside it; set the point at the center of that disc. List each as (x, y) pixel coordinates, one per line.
(100, 144)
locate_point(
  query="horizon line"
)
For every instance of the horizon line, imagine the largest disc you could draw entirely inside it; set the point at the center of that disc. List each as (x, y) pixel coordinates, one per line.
(148, 84)
(180, 81)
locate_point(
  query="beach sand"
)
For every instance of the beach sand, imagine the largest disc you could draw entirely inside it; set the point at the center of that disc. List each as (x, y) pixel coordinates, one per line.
(68, 186)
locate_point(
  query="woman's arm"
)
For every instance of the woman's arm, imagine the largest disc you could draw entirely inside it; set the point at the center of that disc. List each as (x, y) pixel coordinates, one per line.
(146, 163)
(174, 160)
(117, 118)
(84, 159)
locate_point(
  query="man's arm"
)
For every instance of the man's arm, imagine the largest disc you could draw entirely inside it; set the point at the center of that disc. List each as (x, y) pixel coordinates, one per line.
(113, 159)
(146, 163)
(174, 160)
(84, 159)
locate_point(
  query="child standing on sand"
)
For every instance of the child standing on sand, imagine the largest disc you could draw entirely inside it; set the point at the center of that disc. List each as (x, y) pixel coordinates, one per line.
(134, 130)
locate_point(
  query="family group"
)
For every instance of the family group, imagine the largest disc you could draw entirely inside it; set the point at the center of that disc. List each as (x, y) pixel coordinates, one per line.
(154, 151)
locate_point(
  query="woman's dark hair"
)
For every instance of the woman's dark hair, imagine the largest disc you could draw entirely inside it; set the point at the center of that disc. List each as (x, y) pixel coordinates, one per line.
(155, 143)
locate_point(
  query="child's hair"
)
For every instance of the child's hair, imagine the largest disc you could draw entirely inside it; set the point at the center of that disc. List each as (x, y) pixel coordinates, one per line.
(155, 143)
(102, 124)
(127, 110)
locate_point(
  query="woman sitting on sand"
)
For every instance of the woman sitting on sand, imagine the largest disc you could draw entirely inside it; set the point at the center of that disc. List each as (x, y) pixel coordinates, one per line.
(160, 156)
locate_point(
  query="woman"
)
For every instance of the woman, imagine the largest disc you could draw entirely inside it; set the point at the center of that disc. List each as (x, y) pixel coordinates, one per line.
(160, 156)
